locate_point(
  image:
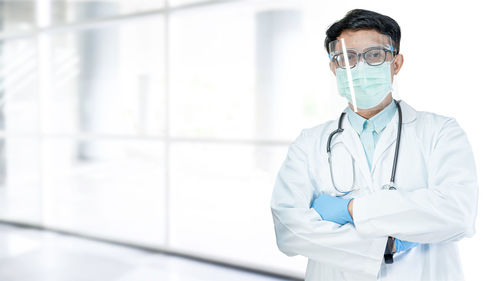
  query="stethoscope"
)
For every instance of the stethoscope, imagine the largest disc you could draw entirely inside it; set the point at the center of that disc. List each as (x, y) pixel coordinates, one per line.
(390, 185)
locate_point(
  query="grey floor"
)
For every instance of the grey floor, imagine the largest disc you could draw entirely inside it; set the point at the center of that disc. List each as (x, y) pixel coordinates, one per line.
(33, 255)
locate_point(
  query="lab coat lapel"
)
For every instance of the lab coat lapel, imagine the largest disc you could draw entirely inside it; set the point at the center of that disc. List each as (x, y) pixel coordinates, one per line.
(389, 135)
(387, 138)
(351, 140)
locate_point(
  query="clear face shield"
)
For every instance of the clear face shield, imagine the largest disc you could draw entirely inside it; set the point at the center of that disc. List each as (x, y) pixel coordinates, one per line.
(363, 69)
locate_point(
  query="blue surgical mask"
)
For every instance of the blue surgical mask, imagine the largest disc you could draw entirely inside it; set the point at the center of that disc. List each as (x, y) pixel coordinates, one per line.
(371, 83)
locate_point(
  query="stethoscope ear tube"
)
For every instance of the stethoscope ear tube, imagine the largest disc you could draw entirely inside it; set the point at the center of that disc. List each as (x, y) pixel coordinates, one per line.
(339, 130)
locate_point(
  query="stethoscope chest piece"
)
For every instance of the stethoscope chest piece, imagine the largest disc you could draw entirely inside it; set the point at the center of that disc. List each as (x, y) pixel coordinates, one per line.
(389, 186)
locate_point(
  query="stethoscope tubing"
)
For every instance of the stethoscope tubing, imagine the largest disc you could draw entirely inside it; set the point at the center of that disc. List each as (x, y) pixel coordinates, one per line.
(396, 153)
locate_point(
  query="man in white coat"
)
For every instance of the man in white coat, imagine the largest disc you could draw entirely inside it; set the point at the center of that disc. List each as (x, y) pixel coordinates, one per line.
(339, 215)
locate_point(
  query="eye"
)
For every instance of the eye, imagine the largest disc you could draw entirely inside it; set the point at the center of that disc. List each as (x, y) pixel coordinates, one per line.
(375, 56)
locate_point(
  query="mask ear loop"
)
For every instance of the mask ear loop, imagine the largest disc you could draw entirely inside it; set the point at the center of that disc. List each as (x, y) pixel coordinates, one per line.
(394, 86)
(349, 75)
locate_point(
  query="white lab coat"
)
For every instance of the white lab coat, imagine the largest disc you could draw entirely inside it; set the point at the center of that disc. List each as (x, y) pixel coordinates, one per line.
(435, 203)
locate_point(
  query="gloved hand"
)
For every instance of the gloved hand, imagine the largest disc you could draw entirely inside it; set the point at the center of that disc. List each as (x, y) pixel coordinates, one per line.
(402, 245)
(332, 208)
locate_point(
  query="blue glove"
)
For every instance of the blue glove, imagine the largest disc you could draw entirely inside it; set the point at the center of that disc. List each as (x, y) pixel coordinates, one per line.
(402, 245)
(332, 208)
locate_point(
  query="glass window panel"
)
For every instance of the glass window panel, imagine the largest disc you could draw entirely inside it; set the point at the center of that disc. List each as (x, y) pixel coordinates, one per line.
(256, 83)
(67, 11)
(211, 76)
(106, 80)
(18, 86)
(20, 194)
(17, 16)
(109, 188)
(220, 203)
(177, 3)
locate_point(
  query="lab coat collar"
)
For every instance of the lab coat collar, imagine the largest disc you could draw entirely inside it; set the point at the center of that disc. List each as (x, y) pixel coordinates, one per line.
(379, 120)
(409, 113)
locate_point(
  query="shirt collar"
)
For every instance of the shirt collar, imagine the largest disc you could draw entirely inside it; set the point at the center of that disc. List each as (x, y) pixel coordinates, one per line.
(379, 121)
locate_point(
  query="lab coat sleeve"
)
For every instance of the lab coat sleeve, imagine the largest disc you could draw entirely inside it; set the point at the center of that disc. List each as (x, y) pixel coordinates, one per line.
(300, 230)
(444, 211)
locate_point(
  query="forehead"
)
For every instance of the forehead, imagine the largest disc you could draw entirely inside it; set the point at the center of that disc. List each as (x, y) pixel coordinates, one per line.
(359, 39)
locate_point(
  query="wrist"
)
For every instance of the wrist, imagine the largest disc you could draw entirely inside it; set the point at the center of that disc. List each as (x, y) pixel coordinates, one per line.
(349, 208)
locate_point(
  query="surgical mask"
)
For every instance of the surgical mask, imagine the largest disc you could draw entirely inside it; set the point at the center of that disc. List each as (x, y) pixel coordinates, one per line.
(371, 83)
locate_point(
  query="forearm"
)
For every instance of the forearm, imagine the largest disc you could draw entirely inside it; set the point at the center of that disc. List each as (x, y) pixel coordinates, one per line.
(350, 209)
(303, 232)
(424, 216)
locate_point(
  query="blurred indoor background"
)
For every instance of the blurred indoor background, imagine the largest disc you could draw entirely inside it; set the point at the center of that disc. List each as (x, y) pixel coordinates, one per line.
(162, 124)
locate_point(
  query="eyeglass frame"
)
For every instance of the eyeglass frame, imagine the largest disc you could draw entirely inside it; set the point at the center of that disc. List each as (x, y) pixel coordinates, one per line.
(358, 55)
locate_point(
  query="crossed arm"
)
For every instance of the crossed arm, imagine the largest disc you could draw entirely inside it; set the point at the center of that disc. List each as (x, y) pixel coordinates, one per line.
(339, 210)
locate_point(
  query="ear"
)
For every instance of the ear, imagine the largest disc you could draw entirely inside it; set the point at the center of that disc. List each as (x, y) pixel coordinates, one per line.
(332, 67)
(398, 63)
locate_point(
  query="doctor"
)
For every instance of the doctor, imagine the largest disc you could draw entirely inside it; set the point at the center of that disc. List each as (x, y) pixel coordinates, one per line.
(338, 211)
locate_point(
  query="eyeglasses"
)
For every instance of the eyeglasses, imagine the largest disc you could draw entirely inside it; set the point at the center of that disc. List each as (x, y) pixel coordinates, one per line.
(372, 56)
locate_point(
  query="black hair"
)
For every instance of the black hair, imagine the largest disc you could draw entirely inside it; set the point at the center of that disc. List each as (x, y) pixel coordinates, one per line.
(364, 19)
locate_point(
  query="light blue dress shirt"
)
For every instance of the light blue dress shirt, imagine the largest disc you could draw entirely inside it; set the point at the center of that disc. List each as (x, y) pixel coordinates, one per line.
(369, 130)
